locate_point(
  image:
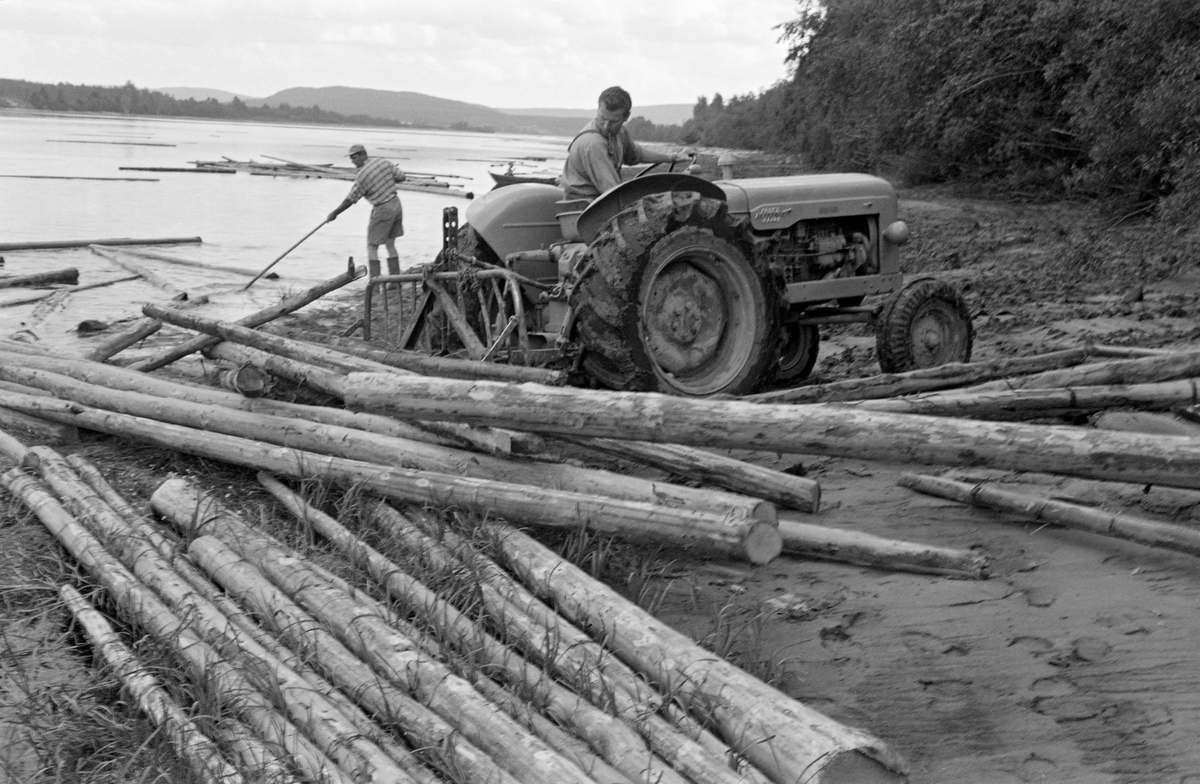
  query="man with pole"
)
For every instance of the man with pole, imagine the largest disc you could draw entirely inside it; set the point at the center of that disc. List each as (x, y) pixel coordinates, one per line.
(376, 180)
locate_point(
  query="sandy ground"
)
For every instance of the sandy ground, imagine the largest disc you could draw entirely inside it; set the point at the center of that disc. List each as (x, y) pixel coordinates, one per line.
(1075, 661)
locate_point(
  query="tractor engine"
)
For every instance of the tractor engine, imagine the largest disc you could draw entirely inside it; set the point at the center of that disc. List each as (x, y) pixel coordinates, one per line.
(820, 250)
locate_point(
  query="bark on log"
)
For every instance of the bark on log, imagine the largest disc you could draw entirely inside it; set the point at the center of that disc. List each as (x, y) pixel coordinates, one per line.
(35, 428)
(202, 755)
(1165, 367)
(142, 607)
(56, 244)
(12, 448)
(789, 491)
(141, 270)
(817, 541)
(1139, 422)
(781, 736)
(68, 275)
(1017, 404)
(317, 377)
(336, 736)
(253, 320)
(947, 376)
(390, 451)
(121, 379)
(133, 334)
(828, 430)
(621, 745)
(299, 351)
(985, 494)
(394, 656)
(424, 364)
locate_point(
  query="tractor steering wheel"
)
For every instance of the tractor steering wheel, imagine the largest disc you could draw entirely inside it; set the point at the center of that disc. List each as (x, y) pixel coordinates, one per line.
(671, 168)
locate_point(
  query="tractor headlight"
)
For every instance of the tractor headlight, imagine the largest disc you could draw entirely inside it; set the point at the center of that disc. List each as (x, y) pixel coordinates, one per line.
(896, 233)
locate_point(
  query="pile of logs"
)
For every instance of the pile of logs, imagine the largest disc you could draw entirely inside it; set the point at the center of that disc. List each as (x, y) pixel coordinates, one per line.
(445, 660)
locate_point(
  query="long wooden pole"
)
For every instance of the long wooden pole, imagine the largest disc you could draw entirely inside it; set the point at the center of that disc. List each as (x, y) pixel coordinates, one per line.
(289, 305)
(140, 605)
(754, 540)
(1152, 533)
(829, 430)
(780, 735)
(278, 259)
(152, 698)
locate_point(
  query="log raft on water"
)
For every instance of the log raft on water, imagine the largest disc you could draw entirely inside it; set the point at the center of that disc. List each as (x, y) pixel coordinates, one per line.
(48, 245)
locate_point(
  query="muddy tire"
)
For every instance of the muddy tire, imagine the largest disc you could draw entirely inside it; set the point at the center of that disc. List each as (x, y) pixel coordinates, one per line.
(798, 352)
(925, 324)
(669, 299)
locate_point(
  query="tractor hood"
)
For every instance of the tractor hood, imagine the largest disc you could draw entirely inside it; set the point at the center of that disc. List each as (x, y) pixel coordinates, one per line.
(778, 202)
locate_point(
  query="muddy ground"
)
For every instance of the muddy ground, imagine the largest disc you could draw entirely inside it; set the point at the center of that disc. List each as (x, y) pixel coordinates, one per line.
(1074, 662)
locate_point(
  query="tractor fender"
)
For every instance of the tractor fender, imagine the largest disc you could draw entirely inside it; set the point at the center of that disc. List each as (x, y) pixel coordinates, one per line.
(630, 192)
(518, 217)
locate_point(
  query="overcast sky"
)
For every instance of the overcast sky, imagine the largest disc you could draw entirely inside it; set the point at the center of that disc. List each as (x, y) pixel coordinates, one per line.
(499, 53)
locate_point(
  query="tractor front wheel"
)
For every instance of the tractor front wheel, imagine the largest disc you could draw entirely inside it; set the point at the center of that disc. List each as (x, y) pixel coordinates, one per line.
(925, 324)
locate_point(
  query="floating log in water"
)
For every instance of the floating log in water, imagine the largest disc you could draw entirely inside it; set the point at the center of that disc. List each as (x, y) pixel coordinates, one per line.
(145, 254)
(195, 170)
(131, 144)
(139, 269)
(85, 287)
(68, 275)
(84, 243)
(54, 177)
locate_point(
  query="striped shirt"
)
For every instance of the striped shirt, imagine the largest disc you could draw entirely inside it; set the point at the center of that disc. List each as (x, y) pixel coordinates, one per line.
(376, 180)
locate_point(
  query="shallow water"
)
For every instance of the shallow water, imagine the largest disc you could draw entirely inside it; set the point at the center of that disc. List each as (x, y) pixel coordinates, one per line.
(244, 221)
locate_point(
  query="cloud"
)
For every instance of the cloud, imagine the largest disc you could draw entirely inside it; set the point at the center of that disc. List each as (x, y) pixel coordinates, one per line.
(523, 53)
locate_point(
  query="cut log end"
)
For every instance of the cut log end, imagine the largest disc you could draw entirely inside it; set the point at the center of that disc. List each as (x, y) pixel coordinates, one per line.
(763, 544)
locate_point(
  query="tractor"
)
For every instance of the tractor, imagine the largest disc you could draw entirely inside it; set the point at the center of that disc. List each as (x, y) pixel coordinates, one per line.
(673, 283)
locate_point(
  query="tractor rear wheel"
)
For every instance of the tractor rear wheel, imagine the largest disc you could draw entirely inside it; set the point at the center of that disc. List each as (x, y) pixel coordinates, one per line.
(670, 299)
(925, 324)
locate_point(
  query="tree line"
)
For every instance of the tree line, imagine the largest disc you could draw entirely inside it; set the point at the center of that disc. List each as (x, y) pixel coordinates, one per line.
(129, 99)
(1091, 99)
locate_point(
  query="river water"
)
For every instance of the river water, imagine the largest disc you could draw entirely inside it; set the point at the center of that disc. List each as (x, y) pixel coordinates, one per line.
(244, 221)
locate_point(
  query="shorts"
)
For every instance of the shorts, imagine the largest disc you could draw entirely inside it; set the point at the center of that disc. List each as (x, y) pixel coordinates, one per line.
(387, 222)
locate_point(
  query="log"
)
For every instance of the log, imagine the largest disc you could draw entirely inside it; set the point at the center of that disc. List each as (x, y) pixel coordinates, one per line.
(985, 494)
(954, 374)
(13, 449)
(829, 430)
(321, 356)
(324, 724)
(163, 257)
(201, 754)
(387, 450)
(230, 623)
(573, 657)
(100, 284)
(619, 743)
(253, 320)
(68, 275)
(37, 429)
(780, 735)
(130, 380)
(794, 492)
(1138, 422)
(424, 364)
(1015, 404)
(748, 539)
(1145, 370)
(140, 606)
(141, 270)
(85, 243)
(855, 547)
(394, 656)
(134, 333)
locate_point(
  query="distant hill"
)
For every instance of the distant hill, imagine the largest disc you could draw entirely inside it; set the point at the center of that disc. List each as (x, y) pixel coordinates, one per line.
(418, 109)
(660, 114)
(201, 94)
